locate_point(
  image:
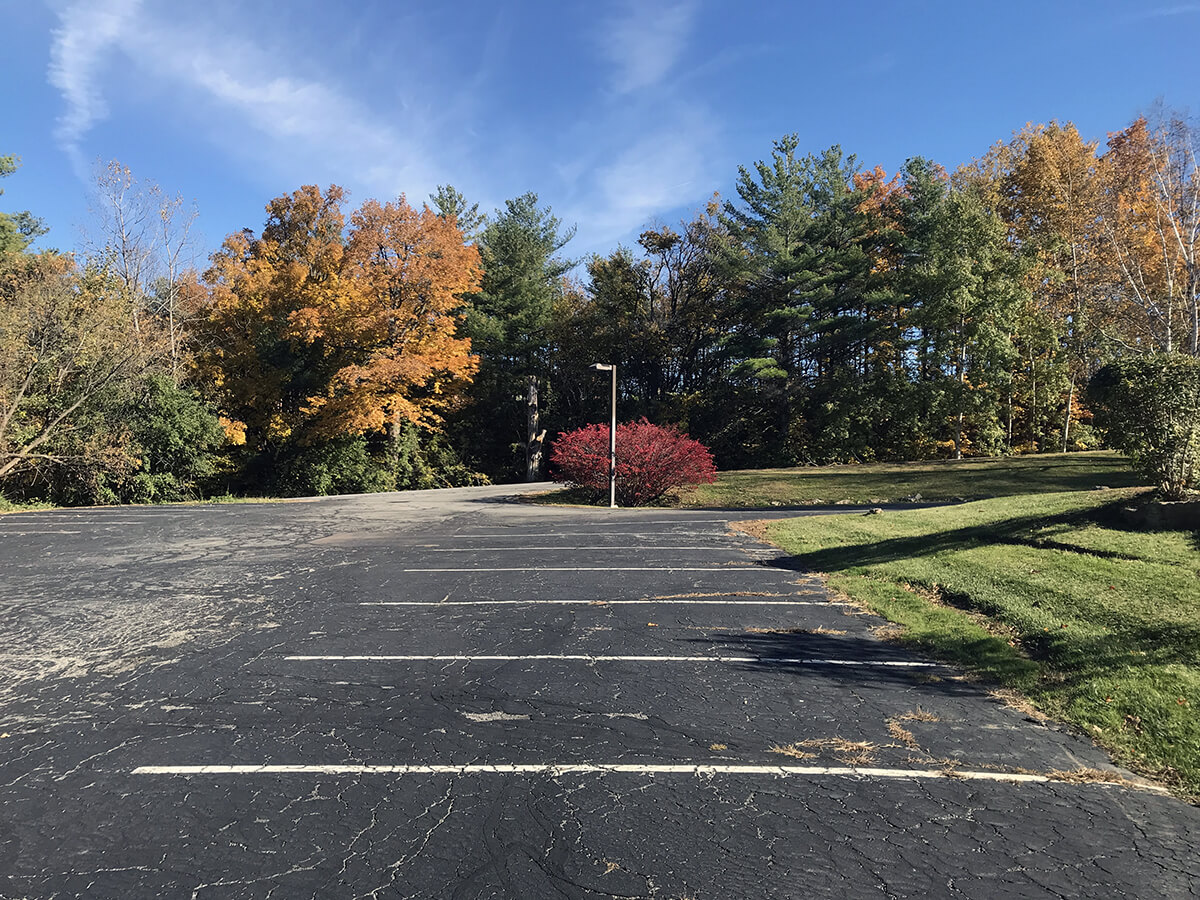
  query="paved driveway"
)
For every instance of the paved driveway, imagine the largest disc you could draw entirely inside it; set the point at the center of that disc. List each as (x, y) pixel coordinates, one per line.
(452, 695)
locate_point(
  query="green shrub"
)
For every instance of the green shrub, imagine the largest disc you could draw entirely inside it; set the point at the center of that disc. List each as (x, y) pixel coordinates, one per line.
(175, 438)
(1150, 408)
(423, 459)
(343, 465)
(144, 440)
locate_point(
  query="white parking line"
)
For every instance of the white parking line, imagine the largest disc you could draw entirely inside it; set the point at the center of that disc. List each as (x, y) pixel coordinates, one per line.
(5, 532)
(71, 520)
(555, 770)
(523, 536)
(630, 521)
(734, 568)
(565, 657)
(708, 549)
(646, 602)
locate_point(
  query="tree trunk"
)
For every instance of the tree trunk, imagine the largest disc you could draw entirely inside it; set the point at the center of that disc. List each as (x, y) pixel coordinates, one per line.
(1067, 419)
(534, 438)
(395, 431)
(174, 337)
(1195, 327)
(1010, 419)
(962, 400)
(1033, 407)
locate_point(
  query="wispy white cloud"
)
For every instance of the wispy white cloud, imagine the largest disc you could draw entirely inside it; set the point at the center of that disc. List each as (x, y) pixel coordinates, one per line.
(88, 31)
(286, 121)
(645, 42)
(629, 173)
(662, 171)
(310, 121)
(1162, 12)
(283, 117)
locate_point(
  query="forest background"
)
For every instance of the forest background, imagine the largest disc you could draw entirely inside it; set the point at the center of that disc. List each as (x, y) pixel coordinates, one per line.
(826, 313)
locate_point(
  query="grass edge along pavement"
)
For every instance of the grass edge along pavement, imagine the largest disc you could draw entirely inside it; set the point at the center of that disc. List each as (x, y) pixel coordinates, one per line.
(1050, 595)
(9, 507)
(939, 480)
(867, 483)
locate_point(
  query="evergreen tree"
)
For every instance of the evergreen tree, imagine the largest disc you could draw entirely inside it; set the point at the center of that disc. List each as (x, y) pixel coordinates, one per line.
(769, 280)
(964, 289)
(509, 322)
(806, 309)
(452, 205)
(17, 230)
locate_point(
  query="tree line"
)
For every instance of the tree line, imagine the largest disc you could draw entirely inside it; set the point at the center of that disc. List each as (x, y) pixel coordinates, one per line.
(823, 313)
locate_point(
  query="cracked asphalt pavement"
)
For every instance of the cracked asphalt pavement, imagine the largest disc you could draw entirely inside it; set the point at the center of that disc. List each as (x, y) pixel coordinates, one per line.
(456, 695)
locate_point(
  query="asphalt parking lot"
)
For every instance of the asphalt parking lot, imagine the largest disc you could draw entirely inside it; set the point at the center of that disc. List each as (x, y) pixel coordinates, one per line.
(454, 695)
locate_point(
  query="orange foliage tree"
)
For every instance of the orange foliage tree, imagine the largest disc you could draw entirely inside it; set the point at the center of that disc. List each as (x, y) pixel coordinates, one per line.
(1050, 201)
(313, 332)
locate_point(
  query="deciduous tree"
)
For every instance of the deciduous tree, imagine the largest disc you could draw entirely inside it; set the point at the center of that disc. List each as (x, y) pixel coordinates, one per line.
(145, 239)
(65, 339)
(1151, 222)
(1050, 200)
(314, 334)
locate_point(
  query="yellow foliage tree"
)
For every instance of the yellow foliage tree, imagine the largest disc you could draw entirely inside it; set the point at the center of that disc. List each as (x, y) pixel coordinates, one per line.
(1050, 198)
(313, 332)
(1151, 220)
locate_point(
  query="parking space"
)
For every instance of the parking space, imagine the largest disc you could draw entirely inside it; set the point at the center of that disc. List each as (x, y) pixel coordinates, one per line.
(455, 695)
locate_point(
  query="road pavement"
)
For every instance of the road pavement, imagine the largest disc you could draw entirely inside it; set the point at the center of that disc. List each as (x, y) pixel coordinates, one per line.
(453, 694)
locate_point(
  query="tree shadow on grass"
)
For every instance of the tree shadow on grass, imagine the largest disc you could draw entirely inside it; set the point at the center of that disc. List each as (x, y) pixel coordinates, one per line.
(1138, 515)
(1131, 637)
(1104, 653)
(971, 479)
(1016, 531)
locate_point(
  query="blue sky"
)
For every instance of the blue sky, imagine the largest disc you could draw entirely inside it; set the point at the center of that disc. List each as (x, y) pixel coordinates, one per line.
(617, 114)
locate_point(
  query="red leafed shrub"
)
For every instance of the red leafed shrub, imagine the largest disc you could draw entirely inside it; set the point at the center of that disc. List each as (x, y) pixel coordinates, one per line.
(651, 460)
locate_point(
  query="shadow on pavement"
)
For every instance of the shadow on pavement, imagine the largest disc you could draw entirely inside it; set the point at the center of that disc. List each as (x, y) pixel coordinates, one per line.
(792, 652)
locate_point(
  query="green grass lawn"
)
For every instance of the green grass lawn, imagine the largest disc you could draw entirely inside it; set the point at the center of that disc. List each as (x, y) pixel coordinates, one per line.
(1051, 594)
(970, 479)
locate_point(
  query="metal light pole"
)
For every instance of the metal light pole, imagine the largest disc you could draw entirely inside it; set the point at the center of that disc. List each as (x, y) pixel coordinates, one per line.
(612, 434)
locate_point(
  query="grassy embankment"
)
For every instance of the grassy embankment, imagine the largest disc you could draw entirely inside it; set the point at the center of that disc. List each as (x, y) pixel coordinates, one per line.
(875, 483)
(1050, 594)
(933, 480)
(8, 506)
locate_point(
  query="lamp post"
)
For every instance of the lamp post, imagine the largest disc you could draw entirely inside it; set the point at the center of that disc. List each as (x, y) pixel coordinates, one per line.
(612, 434)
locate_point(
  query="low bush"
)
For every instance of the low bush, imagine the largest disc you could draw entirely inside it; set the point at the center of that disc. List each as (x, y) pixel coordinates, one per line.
(341, 465)
(147, 440)
(423, 459)
(651, 460)
(1150, 409)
